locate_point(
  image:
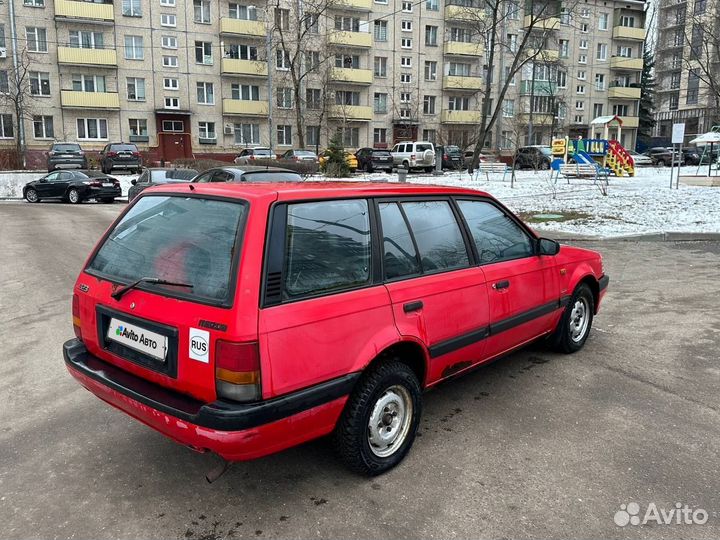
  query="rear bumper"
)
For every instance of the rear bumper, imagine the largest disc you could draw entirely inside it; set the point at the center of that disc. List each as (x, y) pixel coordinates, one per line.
(60, 162)
(102, 193)
(126, 164)
(235, 431)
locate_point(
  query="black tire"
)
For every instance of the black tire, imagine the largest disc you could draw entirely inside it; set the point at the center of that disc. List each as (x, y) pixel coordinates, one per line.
(544, 166)
(661, 163)
(563, 339)
(352, 434)
(368, 167)
(73, 196)
(31, 195)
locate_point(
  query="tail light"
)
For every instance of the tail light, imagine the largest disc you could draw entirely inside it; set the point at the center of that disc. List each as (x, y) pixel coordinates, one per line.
(237, 371)
(136, 154)
(445, 156)
(82, 152)
(76, 316)
(112, 154)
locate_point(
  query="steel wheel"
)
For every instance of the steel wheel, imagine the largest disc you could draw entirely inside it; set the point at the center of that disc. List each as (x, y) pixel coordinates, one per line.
(389, 421)
(579, 320)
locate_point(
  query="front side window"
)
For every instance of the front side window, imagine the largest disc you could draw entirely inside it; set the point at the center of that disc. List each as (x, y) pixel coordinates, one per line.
(497, 237)
(327, 247)
(437, 235)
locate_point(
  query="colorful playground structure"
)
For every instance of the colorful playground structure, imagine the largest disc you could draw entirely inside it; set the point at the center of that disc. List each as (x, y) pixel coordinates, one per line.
(605, 154)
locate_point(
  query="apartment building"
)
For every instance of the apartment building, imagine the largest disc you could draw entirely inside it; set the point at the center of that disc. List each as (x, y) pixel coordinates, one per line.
(687, 33)
(186, 78)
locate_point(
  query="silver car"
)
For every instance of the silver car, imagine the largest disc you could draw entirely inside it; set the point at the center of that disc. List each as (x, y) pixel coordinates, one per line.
(414, 155)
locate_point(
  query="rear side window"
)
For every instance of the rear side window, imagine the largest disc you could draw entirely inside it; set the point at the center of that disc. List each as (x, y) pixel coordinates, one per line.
(327, 247)
(399, 254)
(437, 235)
(497, 237)
(181, 239)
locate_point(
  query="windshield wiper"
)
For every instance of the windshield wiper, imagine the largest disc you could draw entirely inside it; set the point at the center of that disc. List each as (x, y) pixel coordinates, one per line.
(118, 294)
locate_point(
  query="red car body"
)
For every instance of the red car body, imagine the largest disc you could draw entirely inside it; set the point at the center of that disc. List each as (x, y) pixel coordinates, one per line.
(311, 352)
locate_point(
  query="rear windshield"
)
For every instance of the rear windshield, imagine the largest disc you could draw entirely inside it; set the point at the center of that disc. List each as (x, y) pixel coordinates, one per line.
(269, 176)
(181, 239)
(259, 152)
(66, 147)
(123, 147)
(304, 153)
(423, 147)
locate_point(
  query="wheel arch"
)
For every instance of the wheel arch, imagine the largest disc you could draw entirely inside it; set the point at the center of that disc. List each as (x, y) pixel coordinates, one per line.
(590, 280)
(408, 351)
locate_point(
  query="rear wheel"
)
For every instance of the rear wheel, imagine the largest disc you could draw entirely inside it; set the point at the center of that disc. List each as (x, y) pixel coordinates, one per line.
(368, 167)
(31, 195)
(576, 321)
(661, 163)
(380, 420)
(73, 196)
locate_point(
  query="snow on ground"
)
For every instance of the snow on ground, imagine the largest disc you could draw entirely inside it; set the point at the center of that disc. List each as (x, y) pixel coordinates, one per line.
(640, 205)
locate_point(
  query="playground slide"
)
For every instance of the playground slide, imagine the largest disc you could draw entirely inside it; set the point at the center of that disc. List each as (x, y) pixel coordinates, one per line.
(583, 158)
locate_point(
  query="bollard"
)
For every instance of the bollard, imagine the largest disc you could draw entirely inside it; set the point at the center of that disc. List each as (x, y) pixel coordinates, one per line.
(402, 174)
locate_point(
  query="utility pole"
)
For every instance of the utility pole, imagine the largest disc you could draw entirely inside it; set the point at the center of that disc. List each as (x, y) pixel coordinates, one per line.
(18, 82)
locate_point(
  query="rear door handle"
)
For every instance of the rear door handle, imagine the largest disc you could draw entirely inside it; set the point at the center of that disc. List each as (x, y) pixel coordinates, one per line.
(501, 285)
(413, 306)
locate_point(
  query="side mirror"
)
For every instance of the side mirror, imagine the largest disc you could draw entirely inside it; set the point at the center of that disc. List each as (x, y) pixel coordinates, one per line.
(133, 181)
(43, 180)
(548, 247)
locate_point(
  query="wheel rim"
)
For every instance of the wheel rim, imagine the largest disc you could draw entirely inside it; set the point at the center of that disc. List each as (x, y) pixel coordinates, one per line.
(31, 195)
(579, 320)
(73, 196)
(390, 420)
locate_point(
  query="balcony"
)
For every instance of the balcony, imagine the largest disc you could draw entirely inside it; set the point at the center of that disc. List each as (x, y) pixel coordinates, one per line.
(464, 13)
(625, 32)
(242, 27)
(460, 48)
(350, 39)
(251, 68)
(357, 5)
(72, 9)
(352, 76)
(457, 82)
(541, 22)
(630, 121)
(623, 92)
(89, 100)
(87, 57)
(351, 112)
(460, 117)
(631, 64)
(540, 88)
(546, 55)
(538, 118)
(245, 107)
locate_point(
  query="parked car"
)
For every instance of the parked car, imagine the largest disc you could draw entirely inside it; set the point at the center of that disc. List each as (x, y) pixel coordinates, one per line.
(156, 176)
(66, 154)
(482, 158)
(414, 155)
(120, 156)
(248, 155)
(533, 157)
(641, 160)
(243, 320)
(299, 156)
(452, 156)
(374, 159)
(247, 173)
(350, 159)
(662, 156)
(73, 187)
(690, 156)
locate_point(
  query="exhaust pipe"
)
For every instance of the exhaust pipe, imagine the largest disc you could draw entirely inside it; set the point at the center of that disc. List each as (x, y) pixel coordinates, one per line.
(218, 471)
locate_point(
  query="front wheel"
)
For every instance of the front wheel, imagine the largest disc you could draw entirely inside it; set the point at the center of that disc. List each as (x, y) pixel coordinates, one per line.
(31, 195)
(576, 321)
(380, 420)
(73, 196)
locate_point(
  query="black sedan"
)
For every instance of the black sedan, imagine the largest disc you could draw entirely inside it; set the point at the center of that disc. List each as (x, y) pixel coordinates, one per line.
(373, 159)
(248, 173)
(158, 176)
(73, 187)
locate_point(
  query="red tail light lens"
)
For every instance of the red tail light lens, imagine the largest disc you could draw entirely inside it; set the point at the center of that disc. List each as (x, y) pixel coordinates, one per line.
(136, 154)
(237, 370)
(112, 154)
(76, 316)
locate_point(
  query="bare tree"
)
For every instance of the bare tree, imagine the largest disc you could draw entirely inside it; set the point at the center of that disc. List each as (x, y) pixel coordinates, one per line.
(702, 35)
(20, 97)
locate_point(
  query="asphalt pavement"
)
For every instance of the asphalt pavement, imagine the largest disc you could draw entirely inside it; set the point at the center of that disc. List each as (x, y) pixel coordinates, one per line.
(534, 445)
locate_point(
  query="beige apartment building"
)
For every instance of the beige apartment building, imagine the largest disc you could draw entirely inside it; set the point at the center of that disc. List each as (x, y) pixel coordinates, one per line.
(185, 78)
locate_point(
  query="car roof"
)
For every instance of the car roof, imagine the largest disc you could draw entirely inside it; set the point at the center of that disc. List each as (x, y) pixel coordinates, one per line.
(313, 190)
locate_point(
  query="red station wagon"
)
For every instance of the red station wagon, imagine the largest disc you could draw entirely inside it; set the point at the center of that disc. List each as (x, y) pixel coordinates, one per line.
(245, 319)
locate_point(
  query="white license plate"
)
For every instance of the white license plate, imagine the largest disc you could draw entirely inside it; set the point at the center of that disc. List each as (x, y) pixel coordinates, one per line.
(107, 184)
(138, 338)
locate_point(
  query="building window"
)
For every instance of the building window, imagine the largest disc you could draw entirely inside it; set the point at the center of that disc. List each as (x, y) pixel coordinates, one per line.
(603, 21)
(170, 61)
(167, 3)
(564, 48)
(88, 83)
(432, 5)
(168, 20)
(86, 40)
(429, 135)
(512, 42)
(312, 135)
(380, 136)
(2, 35)
(624, 52)
(583, 44)
(39, 83)
(380, 67)
(508, 108)
(580, 89)
(405, 113)
(350, 136)
(348, 61)
(602, 49)
(406, 43)
(406, 61)
(245, 92)
(406, 25)
(284, 98)
(380, 30)
(346, 23)
(6, 126)
(206, 131)
(138, 128)
(135, 89)
(312, 23)
(693, 88)
(205, 93)
(347, 97)
(460, 35)
(562, 79)
(406, 78)
(512, 10)
(620, 110)
(282, 60)
(201, 11)
(313, 98)
(282, 18)
(405, 97)
(92, 129)
(312, 60)
(579, 119)
(170, 83)
(565, 16)
(407, 6)
(247, 134)
(430, 70)
(599, 82)
(461, 69)
(169, 42)
(34, 3)
(242, 12)
(284, 135)
(579, 105)
(174, 126)
(585, 13)
(431, 35)
(36, 39)
(597, 110)
(172, 103)
(4, 82)
(242, 52)
(131, 8)
(134, 49)
(584, 28)
(429, 105)
(380, 103)
(506, 140)
(203, 53)
(582, 59)
(43, 127)
(457, 103)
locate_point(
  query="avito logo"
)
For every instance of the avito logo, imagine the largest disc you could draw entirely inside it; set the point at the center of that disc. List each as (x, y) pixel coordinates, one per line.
(126, 333)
